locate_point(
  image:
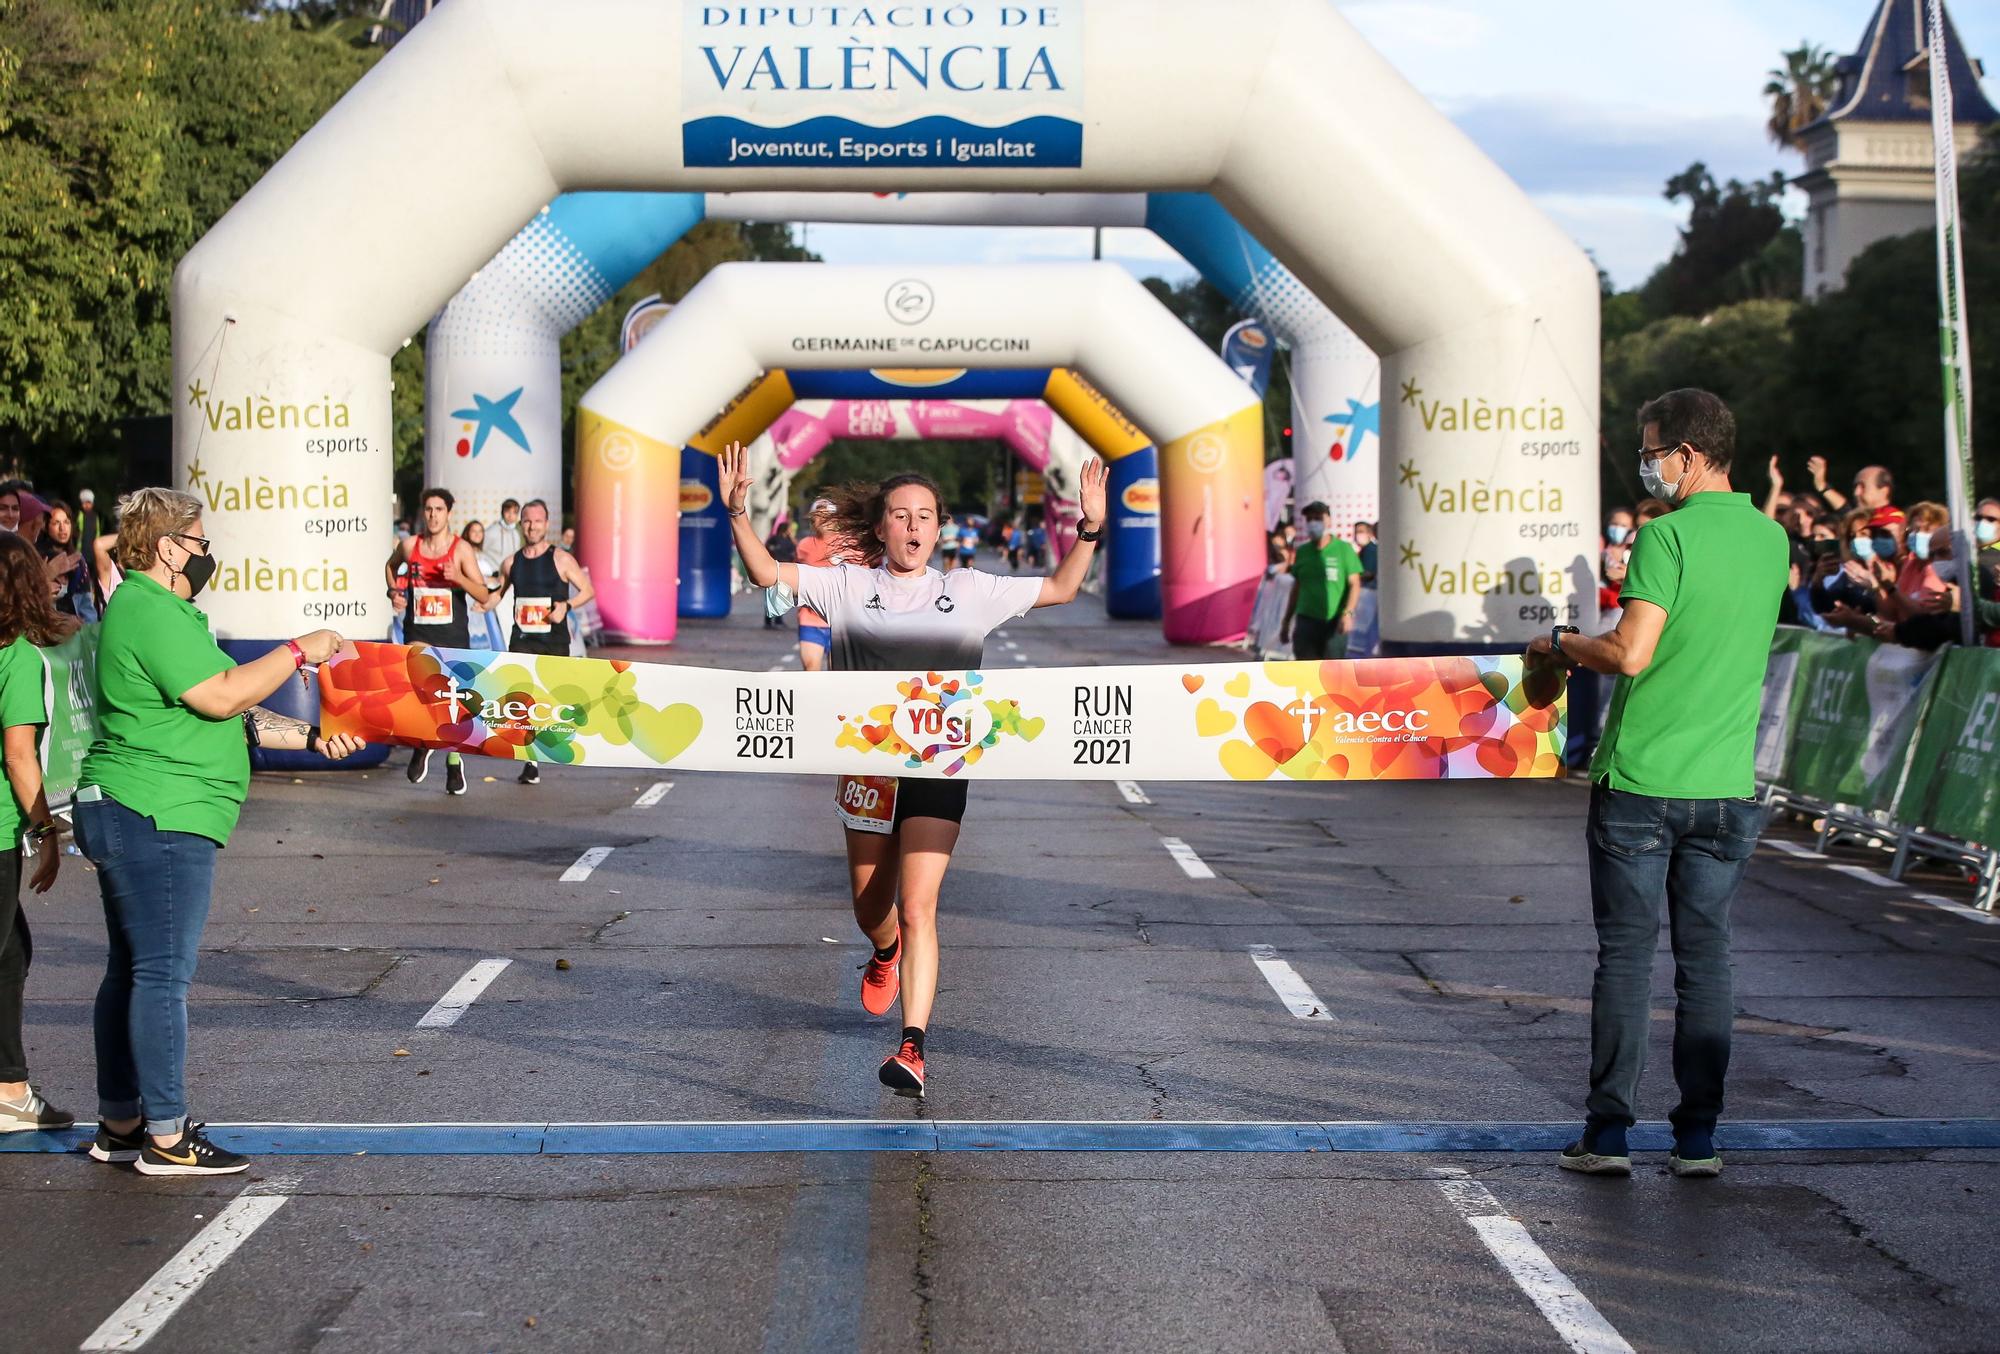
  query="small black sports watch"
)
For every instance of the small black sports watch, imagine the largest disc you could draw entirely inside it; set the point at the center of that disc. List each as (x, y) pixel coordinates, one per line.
(1556, 641)
(1087, 534)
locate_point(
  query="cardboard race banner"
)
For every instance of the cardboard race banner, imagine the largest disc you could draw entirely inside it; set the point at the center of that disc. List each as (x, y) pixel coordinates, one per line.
(1374, 719)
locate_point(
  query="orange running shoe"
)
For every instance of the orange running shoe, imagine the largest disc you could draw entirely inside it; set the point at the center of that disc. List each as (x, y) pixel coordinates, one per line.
(881, 983)
(904, 1072)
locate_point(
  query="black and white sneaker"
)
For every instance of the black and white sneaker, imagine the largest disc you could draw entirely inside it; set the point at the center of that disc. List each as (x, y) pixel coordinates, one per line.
(190, 1154)
(122, 1148)
(420, 765)
(454, 778)
(531, 774)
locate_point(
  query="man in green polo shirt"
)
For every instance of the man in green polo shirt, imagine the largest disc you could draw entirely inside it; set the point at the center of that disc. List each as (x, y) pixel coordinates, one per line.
(1673, 814)
(1326, 587)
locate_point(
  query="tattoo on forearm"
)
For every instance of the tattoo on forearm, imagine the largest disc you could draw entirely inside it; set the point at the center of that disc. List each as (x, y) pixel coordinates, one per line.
(269, 729)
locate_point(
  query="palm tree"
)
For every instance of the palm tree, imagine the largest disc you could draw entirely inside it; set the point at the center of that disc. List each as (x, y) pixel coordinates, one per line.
(1799, 92)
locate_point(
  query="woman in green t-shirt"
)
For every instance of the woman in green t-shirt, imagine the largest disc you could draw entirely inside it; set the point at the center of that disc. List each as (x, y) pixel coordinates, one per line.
(161, 787)
(27, 618)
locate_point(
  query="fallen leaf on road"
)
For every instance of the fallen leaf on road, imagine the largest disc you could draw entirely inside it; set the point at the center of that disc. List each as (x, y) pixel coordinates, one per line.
(563, 965)
(400, 1053)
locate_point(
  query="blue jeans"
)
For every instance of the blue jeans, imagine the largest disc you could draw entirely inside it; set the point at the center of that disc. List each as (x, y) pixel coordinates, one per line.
(1689, 854)
(156, 888)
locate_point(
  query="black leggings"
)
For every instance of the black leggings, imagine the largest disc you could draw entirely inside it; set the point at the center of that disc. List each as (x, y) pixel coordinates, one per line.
(16, 948)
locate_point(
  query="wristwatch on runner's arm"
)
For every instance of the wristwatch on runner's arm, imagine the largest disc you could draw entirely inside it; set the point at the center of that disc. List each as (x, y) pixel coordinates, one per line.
(1086, 533)
(1556, 641)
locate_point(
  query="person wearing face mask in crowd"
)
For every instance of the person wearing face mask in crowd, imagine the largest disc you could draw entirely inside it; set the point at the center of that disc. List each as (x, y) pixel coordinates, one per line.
(1814, 558)
(1319, 615)
(1618, 527)
(1674, 817)
(1986, 568)
(1847, 588)
(158, 796)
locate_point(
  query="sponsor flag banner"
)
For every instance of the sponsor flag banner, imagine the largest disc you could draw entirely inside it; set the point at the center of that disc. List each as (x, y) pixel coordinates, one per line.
(1774, 716)
(1376, 719)
(1954, 786)
(1854, 709)
(69, 693)
(1248, 350)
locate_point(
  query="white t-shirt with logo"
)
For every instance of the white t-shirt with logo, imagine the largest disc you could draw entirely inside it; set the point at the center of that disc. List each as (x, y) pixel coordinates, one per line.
(930, 621)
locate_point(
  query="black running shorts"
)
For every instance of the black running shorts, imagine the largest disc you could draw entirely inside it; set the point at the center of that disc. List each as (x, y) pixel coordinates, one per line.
(930, 799)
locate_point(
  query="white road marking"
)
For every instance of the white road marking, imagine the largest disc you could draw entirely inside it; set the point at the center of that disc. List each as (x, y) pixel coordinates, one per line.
(1292, 990)
(1862, 872)
(147, 1310)
(585, 863)
(1133, 794)
(463, 993)
(1579, 1324)
(654, 794)
(1794, 849)
(1965, 910)
(1191, 865)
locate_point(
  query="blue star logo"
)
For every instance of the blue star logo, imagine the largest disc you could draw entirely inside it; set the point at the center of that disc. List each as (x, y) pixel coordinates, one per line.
(491, 416)
(1360, 420)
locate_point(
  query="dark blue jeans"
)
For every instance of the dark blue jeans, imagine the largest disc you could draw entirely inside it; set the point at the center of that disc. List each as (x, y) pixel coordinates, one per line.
(1688, 854)
(156, 888)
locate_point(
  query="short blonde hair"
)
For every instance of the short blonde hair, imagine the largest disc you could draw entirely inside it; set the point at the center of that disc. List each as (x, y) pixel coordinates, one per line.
(1928, 516)
(146, 515)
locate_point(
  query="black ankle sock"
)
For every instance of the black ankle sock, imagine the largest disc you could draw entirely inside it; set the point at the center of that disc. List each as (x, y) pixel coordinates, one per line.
(889, 955)
(915, 1035)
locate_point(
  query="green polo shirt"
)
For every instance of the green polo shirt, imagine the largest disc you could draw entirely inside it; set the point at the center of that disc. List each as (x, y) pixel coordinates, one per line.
(1324, 573)
(23, 700)
(153, 754)
(1686, 727)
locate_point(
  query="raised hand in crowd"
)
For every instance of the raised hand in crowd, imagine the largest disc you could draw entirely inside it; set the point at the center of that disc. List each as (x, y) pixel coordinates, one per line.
(1816, 471)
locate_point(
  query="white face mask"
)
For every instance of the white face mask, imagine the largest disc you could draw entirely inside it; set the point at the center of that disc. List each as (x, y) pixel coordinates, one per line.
(1657, 485)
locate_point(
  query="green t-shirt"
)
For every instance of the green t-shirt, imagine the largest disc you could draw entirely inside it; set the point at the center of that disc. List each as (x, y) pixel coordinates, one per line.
(23, 700)
(1325, 573)
(153, 754)
(1686, 727)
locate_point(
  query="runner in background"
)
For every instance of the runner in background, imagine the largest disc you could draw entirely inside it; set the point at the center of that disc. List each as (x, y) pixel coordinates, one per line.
(548, 584)
(896, 615)
(968, 544)
(443, 573)
(816, 548)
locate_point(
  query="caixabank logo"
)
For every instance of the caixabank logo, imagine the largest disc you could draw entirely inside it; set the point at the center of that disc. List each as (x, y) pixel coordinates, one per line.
(938, 721)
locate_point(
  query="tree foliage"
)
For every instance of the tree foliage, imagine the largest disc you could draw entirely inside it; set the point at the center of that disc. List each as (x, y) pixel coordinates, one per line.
(1799, 92)
(126, 128)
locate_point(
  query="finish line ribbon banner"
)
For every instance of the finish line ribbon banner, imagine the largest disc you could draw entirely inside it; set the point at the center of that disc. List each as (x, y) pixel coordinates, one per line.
(1367, 719)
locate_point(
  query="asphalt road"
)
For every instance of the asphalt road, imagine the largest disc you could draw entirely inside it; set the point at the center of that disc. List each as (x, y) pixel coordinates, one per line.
(706, 971)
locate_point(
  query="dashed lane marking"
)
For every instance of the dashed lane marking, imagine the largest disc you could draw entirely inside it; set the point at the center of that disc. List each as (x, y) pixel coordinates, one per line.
(1562, 1304)
(1862, 872)
(448, 1008)
(1795, 849)
(1133, 794)
(1298, 996)
(654, 794)
(585, 863)
(147, 1310)
(1191, 864)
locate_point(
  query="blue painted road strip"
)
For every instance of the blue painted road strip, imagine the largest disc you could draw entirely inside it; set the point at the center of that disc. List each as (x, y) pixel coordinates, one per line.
(1032, 1135)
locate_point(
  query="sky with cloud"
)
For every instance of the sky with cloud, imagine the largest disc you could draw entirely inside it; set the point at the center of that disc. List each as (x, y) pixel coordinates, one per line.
(1590, 104)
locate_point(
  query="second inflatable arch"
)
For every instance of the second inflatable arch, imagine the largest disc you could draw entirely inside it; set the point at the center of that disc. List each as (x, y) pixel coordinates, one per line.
(744, 322)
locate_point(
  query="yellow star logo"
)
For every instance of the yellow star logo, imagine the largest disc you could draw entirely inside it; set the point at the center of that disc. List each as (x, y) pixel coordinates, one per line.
(196, 392)
(1411, 391)
(195, 474)
(1410, 554)
(1408, 471)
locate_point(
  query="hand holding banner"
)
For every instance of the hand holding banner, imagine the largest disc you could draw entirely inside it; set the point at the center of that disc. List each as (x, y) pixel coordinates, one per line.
(1375, 719)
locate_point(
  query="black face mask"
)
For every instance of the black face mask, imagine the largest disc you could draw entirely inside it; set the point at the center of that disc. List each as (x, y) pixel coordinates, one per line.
(197, 571)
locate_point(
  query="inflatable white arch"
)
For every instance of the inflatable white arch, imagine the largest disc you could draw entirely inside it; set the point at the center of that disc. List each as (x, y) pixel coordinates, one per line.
(745, 320)
(1483, 311)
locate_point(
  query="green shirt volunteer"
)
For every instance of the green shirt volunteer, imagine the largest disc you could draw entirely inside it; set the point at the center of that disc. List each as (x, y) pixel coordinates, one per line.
(153, 754)
(22, 701)
(1324, 573)
(1686, 727)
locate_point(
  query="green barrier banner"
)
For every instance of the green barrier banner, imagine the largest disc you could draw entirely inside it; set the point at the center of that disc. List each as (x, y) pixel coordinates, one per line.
(69, 691)
(1954, 788)
(1774, 715)
(1852, 715)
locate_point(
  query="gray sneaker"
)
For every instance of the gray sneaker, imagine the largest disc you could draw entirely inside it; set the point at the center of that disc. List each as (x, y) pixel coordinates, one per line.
(1692, 1168)
(32, 1115)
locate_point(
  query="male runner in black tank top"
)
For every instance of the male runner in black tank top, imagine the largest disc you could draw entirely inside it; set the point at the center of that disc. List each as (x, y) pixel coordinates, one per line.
(541, 575)
(443, 572)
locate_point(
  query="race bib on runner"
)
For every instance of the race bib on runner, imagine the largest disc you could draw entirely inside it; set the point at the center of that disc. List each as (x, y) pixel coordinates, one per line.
(430, 606)
(866, 803)
(531, 614)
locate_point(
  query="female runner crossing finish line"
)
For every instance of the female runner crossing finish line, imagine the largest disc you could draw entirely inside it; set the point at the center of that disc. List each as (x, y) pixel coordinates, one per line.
(896, 613)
